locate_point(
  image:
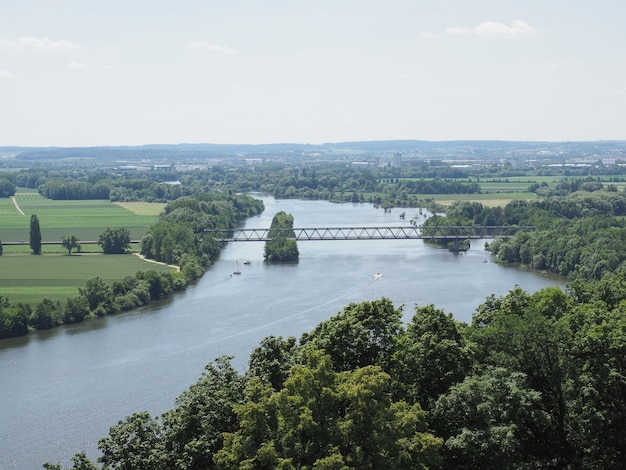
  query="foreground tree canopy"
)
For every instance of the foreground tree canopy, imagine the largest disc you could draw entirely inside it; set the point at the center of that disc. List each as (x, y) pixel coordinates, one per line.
(535, 381)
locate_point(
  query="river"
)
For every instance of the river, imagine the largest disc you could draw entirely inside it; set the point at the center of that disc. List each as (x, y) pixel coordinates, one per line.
(62, 389)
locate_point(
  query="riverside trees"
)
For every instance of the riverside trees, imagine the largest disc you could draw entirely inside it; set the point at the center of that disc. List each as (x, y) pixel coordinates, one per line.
(282, 246)
(580, 235)
(178, 238)
(535, 381)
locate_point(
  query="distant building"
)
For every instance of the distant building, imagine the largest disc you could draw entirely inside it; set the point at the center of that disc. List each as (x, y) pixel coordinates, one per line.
(518, 163)
(396, 160)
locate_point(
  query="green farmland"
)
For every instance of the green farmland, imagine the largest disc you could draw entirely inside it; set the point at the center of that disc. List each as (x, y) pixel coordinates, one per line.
(28, 278)
(85, 219)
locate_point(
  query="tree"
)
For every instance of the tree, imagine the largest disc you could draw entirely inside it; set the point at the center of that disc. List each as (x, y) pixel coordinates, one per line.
(431, 356)
(99, 295)
(272, 360)
(115, 240)
(76, 309)
(280, 248)
(362, 335)
(35, 235)
(70, 242)
(7, 187)
(79, 462)
(487, 422)
(327, 419)
(13, 320)
(193, 431)
(47, 314)
(132, 444)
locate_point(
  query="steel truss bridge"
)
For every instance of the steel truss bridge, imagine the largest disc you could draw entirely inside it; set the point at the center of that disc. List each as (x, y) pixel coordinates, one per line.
(368, 233)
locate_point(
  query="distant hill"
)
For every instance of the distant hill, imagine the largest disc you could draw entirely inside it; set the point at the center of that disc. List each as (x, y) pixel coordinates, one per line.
(203, 151)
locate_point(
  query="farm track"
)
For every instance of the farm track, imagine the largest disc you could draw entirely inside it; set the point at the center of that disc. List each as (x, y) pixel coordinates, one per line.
(19, 209)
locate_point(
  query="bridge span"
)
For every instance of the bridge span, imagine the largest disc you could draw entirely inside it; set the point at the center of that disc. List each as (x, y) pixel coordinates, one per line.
(369, 233)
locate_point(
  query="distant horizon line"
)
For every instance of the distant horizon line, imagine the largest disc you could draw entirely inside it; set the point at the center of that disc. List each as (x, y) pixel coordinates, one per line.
(344, 142)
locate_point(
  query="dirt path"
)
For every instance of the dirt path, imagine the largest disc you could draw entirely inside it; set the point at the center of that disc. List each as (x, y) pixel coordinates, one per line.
(19, 209)
(156, 262)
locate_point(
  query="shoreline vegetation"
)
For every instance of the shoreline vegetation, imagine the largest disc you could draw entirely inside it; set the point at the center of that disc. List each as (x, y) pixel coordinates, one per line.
(171, 242)
(281, 249)
(363, 389)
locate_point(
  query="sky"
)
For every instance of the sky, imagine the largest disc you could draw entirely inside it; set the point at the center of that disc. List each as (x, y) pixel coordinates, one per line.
(132, 72)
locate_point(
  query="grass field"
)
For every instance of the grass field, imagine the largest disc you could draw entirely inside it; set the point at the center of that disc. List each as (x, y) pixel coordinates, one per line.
(29, 278)
(490, 199)
(85, 219)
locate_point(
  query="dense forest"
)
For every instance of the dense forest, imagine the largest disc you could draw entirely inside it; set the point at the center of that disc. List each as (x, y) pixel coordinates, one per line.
(535, 381)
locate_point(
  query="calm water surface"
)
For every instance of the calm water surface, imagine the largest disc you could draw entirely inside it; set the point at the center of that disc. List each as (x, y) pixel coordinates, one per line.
(61, 390)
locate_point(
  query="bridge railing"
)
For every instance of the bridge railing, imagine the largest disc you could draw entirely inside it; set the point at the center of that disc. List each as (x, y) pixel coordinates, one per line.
(370, 233)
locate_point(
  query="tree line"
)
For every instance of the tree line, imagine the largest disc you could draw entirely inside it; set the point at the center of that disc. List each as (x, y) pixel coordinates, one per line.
(534, 381)
(580, 235)
(177, 238)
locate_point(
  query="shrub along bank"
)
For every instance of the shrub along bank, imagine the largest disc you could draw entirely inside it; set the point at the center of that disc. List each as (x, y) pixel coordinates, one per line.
(177, 238)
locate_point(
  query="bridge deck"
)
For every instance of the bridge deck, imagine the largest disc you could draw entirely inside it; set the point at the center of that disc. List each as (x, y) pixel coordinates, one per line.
(367, 233)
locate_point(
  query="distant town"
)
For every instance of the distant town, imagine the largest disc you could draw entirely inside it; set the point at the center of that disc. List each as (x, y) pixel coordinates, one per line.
(396, 153)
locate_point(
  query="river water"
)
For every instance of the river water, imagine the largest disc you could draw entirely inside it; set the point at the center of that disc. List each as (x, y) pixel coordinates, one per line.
(62, 389)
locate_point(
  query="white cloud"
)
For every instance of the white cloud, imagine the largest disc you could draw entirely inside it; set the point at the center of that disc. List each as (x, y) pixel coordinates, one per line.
(206, 46)
(7, 74)
(76, 65)
(31, 42)
(488, 29)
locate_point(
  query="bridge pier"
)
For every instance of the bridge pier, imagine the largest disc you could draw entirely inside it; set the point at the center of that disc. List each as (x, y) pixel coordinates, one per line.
(455, 247)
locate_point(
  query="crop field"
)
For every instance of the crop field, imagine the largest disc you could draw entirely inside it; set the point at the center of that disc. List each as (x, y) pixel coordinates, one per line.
(29, 278)
(85, 219)
(490, 199)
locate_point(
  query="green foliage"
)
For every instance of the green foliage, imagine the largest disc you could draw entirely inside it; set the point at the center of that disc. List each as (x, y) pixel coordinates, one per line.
(193, 431)
(323, 416)
(536, 381)
(281, 247)
(272, 360)
(488, 420)
(70, 242)
(79, 462)
(68, 189)
(7, 187)
(430, 356)
(13, 320)
(179, 236)
(115, 240)
(363, 334)
(132, 444)
(580, 235)
(47, 314)
(35, 235)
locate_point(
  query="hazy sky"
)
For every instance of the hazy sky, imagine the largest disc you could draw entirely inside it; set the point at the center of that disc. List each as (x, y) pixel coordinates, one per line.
(132, 72)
